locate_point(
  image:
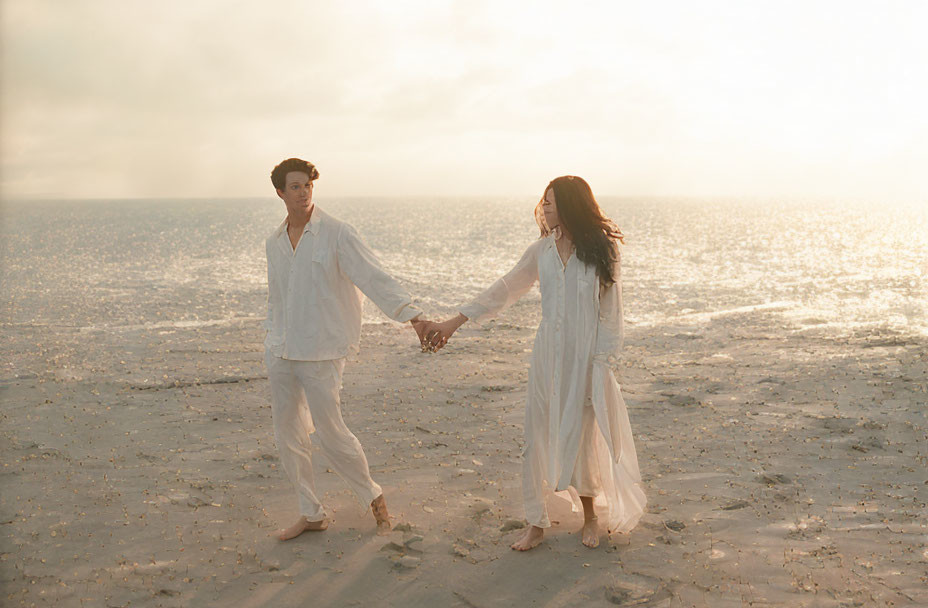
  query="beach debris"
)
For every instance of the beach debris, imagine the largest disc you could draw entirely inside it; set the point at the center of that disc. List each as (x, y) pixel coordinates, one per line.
(196, 502)
(837, 423)
(652, 521)
(459, 551)
(497, 388)
(682, 400)
(873, 442)
(512, 524)
(738, 504)
(394, 546)
(626, 593)
(772, 479)
(675, 525)
(806, 527)
(177, 497)
(399, 554)
(406, 562)
(416, 540)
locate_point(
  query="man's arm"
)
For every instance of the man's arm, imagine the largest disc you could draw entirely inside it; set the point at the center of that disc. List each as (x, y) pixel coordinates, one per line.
(269, 320)
(361, 266)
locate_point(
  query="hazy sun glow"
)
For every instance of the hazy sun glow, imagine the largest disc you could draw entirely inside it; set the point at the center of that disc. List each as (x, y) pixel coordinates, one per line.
(117, 99)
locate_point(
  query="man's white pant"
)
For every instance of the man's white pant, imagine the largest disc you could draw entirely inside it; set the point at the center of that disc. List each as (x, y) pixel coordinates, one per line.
(304, 395)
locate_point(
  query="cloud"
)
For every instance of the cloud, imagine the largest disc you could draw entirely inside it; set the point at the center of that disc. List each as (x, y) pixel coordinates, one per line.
(106, 98)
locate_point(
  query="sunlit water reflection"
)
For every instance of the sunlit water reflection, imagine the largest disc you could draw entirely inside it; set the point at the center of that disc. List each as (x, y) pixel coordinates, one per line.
(111, 264)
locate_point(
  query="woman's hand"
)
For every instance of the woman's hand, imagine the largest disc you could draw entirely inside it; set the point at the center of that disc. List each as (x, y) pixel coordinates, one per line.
(438, 334)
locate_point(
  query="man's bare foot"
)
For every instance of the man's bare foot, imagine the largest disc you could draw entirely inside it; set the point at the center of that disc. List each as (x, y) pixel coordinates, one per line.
(531, 539)
(590, 533)
(379, 509)
(302, 525)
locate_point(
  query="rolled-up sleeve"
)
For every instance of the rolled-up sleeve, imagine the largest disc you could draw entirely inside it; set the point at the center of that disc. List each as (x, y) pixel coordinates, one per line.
(610, 333)
(507, 289)
(361, 266)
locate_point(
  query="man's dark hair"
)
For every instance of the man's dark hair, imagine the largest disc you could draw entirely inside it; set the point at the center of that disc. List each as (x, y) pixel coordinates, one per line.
(279, 174)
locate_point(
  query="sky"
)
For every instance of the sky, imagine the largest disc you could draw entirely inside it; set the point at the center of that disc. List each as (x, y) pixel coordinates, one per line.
(201, 98)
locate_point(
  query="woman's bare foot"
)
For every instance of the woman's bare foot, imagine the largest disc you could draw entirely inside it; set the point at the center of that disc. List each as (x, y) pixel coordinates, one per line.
(590, 533)
(531, 539)
(379, 509)
(302, 525)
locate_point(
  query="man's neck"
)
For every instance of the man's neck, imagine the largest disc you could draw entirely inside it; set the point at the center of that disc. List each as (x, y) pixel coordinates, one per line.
(299, 220)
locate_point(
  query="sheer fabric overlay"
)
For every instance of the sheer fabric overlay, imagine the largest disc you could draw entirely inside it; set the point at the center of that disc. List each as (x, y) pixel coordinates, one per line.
(578, 342)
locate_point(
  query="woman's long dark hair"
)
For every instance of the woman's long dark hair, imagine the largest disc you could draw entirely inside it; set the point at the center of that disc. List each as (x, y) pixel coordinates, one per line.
(594, 235)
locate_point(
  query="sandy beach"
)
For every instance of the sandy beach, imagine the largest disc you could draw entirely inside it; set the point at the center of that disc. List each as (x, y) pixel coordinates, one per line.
(763, 162)
(783, 468)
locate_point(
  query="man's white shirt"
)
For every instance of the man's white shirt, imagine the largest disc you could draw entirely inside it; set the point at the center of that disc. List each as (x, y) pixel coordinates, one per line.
(313, 305)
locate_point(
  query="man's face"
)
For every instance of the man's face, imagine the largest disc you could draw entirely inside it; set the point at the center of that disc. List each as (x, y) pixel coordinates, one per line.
(298, 192)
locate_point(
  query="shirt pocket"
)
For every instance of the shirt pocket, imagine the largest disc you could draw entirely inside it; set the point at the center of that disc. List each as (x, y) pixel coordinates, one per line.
(324, 268)
(321, 253)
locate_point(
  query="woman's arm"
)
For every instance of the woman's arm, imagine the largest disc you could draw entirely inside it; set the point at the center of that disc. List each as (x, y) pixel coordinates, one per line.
(508, 288)
(501, 294)
(610, 332)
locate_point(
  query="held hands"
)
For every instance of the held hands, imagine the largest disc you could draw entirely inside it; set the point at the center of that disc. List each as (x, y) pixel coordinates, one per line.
(421, 326)
(432, 335)
(438, 334)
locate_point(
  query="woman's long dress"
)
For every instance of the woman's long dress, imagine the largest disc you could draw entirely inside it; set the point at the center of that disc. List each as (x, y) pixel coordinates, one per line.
(577, 342)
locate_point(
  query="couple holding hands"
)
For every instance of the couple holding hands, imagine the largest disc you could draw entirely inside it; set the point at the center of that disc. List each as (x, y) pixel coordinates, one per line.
(578, 439)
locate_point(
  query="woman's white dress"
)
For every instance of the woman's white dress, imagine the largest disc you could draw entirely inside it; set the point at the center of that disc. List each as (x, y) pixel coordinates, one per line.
(577, 342)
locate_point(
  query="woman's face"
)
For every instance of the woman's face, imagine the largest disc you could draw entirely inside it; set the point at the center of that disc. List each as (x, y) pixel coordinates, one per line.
(550, 209)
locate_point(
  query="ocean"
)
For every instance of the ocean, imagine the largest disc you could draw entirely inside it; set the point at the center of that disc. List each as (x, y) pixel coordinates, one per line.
(840, 267)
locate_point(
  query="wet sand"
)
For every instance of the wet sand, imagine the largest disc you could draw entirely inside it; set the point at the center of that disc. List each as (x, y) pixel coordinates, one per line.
(782, 467)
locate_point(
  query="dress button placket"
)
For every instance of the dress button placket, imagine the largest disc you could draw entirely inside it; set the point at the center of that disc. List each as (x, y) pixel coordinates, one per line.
(559, 312)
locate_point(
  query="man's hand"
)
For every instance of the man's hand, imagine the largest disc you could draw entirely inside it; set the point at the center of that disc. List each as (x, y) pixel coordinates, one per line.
(421, 326)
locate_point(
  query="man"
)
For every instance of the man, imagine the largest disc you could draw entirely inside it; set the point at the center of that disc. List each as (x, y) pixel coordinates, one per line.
(315, 266)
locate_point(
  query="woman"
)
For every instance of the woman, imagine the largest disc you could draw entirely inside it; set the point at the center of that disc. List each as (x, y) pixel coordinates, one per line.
(578, 439)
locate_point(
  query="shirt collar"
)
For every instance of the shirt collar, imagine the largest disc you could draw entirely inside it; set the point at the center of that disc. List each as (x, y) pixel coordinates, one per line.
(314, 219)
(312, 226)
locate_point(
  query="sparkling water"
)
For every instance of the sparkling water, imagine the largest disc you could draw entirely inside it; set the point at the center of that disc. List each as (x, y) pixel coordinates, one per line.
(837, 266)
